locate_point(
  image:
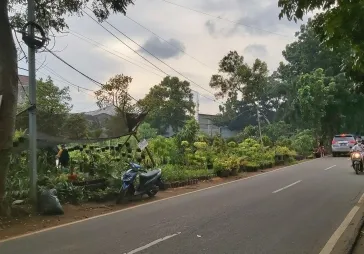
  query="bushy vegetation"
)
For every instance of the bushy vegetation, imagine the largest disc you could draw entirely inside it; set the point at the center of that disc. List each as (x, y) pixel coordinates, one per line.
(95, 170)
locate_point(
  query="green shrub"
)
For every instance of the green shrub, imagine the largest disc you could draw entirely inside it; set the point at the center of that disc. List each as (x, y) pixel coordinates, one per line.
(173, 173)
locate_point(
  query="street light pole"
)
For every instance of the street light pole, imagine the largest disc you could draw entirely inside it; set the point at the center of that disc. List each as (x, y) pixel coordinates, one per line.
(32, 111)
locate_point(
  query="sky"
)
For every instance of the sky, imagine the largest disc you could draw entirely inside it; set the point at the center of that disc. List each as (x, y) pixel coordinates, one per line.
(190, 42)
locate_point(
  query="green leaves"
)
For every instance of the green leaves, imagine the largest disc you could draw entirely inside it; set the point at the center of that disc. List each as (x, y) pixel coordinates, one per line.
(312, 97)
(170, 104)
(115, 93)
(51, 14)
(53, 106)
(338, 25)
(238, 78)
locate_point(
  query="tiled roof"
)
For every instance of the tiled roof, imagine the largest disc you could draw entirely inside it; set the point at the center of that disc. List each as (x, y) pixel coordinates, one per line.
(24, 80)
(108, 111)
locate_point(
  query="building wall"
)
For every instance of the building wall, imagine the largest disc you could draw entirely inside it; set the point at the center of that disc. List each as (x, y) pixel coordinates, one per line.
(226, 133)
(207, 126)
(23, 89)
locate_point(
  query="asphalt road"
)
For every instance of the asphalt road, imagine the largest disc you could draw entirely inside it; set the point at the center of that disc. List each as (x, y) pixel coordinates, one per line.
(292, 210)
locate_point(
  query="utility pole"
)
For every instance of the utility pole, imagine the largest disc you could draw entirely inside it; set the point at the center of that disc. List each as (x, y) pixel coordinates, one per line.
(32, 111)
(260, 130)
(197, 105)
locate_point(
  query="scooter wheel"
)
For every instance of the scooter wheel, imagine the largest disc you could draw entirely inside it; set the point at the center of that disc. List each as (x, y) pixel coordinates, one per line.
(122, 197)
(152, 193)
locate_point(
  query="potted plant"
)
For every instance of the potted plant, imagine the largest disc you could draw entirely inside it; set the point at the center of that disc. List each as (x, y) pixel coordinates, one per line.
(220, 167)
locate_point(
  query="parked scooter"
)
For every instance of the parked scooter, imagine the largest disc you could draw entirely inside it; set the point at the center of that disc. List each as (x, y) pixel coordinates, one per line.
(149, 183)
(357, 162)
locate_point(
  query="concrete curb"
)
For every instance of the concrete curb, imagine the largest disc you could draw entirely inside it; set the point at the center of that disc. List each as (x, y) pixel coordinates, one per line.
(349, 238)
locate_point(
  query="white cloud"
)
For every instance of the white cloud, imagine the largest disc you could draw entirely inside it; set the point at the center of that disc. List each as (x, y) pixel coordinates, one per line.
(257, 50)
(170, 22)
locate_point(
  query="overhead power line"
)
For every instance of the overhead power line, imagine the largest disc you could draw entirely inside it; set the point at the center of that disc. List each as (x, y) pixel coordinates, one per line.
(69, 65)
(176, 47)
(146, 51)
(66, 81)
(80, 72)
(63, 80)
(159, 59)
(105, 48)
(225, 19)
(124, 43)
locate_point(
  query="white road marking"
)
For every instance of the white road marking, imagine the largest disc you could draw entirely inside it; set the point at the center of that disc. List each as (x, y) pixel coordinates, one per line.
(287, 186)
(152, 243)
(341, 229)
(153, 202)
(330, 167)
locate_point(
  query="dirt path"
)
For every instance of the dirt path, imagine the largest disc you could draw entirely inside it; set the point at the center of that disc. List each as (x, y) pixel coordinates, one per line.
(11, 227)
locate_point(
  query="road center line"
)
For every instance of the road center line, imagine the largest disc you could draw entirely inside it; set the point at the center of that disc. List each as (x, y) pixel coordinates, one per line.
(330, 167)
(152, 243)
(286, 187)
(341, 229)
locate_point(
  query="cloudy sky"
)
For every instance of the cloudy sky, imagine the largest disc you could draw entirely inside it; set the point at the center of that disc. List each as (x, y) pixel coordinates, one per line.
(192, 44)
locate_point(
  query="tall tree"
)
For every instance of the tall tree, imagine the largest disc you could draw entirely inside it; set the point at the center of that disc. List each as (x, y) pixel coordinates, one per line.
(245, 87)
(75, 126)
(303, 56)
(170, 103)
(338, 23)
(312, 98)
(241, 80)
(53, 105)
(50, 15)
(114, 93)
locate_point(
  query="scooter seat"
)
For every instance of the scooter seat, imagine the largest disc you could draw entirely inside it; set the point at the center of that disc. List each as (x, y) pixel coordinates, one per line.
(149, 174)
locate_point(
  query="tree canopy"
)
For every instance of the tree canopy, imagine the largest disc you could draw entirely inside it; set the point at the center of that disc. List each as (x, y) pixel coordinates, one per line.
(246, 88)
(51, 14)
(53, 105)
(54, 115)
(309, 91)
(170, 103)
(114, 93)
(338, 24)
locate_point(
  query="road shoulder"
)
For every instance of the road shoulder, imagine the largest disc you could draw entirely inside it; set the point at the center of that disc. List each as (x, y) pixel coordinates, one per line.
(351, 240)
(355, 244)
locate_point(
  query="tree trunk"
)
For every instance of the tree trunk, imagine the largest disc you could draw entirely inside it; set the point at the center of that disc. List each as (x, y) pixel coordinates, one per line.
(9, 92)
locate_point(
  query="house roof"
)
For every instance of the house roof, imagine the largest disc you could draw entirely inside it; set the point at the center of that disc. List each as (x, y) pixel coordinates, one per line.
(24, 80)
(206, 115)
(108, 111)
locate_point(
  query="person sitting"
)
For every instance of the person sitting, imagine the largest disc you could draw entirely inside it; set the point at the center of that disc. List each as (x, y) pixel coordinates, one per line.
(319, 152)
(359, 147)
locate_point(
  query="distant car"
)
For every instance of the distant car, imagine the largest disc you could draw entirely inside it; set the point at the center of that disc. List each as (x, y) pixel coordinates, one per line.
(342, 144)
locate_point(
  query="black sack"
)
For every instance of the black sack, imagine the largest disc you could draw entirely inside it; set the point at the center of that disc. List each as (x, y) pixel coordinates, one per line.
(49, 203)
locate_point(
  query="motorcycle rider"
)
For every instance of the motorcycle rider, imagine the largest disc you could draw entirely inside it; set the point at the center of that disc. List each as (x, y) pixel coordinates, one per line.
(359, 147)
